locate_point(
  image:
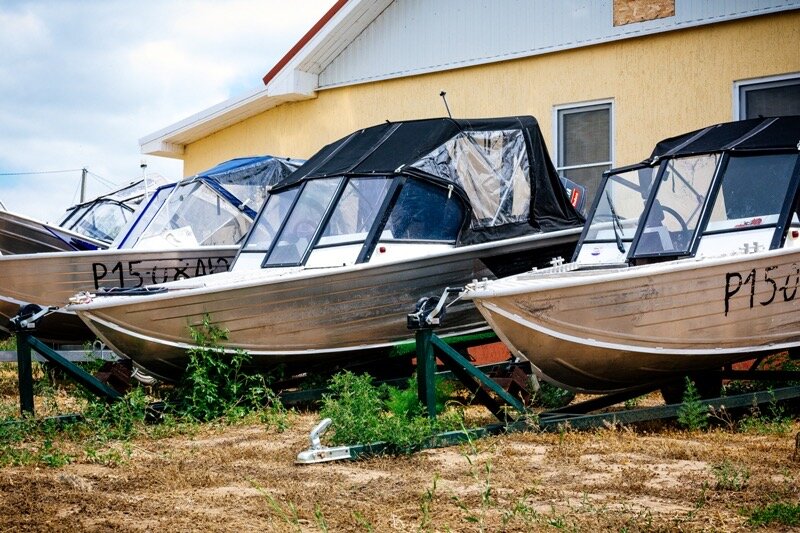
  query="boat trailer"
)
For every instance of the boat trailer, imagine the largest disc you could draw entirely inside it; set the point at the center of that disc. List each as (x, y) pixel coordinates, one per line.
(512, 413)
(508, 407)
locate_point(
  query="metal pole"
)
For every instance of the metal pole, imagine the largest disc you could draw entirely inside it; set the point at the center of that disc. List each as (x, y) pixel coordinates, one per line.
(444, 97)
(143, 166)
(25, 372)
(83, 184)
(426, 371)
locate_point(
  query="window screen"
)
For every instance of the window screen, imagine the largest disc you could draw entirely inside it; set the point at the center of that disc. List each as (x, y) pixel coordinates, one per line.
(584, 145)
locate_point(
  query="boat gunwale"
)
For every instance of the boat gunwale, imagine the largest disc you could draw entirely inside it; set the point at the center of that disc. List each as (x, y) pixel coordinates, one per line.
(262, 277)
(512, 286)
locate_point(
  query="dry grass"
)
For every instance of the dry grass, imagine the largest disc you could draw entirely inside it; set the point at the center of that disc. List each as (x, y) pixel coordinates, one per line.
(243, 477)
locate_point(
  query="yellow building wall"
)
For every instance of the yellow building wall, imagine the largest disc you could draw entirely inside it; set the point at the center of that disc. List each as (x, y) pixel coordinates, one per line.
(661, 85)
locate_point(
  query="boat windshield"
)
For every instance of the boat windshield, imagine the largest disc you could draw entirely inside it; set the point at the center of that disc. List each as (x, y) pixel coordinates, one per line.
(127, 238)
(72, 215)
(339, 221)
(194, 215)
(297, 233)
(676, 210)
(269, 221)
(102, 220)
(616, 215)
(355, 212)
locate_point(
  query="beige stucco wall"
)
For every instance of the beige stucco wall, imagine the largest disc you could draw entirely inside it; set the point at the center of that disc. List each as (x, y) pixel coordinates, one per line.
(661, 85)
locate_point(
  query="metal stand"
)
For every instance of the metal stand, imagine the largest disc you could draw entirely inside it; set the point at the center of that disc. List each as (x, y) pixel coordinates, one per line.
(471, 377)
(24, 324)
(429, 313)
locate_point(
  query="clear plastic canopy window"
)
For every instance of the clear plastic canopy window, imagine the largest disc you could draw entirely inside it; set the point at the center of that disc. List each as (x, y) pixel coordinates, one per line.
(678, 205)
(193, 215)
(492, 167)
(621, 205)
(103, 222)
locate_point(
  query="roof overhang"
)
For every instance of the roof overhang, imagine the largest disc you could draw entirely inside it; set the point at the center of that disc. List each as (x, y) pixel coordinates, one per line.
(170, 141)
(295, 77)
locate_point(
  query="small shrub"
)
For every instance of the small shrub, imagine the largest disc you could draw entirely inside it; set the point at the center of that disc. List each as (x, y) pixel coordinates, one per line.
(692, 415)
(214, 384)
(551, 397)
(355, 407)
(730, 476)
(785, 514)
(364, 413)
(773, 422)
(119, 420)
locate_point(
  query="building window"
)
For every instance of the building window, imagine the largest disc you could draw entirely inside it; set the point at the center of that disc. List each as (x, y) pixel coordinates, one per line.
(584, 144)
(768, 97)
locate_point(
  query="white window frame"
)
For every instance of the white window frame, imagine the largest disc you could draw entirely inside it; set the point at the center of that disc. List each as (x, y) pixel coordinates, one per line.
(559, 110)
(741, 87)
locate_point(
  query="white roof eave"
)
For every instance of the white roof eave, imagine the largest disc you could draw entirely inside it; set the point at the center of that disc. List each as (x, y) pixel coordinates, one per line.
(289, 86)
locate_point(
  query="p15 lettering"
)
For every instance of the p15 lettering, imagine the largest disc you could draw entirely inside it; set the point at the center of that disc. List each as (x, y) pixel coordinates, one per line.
(778, 284)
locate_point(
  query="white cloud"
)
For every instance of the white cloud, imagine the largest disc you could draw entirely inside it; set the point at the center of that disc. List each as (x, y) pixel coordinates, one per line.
(81, 82)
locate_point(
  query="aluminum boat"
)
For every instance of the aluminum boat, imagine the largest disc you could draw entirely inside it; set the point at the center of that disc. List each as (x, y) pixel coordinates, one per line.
(185, 230)
(689, 261)
(89, 225)
(344, 247)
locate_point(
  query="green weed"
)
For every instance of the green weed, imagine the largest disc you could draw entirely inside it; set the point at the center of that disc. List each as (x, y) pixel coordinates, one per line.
(632, 403)
(9, 344)
(362, 521)
(785, 514)
(287, 513)
(364, 413)
(319, 519)
(51, 456)
(119, 420)
(730, 476)
(772, 422)
(692, 415)
(216, 386)
(426, 503)
(111, 457)
(551, 397)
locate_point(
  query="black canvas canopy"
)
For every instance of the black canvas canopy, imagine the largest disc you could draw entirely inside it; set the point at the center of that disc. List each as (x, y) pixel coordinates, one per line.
(757, 134)
(500, 166)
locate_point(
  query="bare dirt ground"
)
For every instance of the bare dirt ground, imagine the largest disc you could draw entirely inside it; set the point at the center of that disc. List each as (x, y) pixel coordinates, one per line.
(243, 477)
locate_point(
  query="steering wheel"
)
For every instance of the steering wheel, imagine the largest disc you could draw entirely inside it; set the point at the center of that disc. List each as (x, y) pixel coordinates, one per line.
(681, 222)
(304, 229)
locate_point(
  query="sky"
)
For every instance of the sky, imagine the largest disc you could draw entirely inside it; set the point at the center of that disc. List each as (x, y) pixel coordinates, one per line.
(82, 80)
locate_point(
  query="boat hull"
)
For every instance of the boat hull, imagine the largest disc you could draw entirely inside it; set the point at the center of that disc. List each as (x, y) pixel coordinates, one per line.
(50, 279)
(602, 332)
(22, 235)
(318, 316)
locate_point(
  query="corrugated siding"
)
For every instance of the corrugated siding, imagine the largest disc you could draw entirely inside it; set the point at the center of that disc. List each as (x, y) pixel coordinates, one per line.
(418, 36)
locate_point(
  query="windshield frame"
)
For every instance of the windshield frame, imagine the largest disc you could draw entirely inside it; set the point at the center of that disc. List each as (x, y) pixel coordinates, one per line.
(790, 203)
(150, 209)
(373, 237)
(73, 222)
(312, 242)
(710, 193)
(607, 176)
